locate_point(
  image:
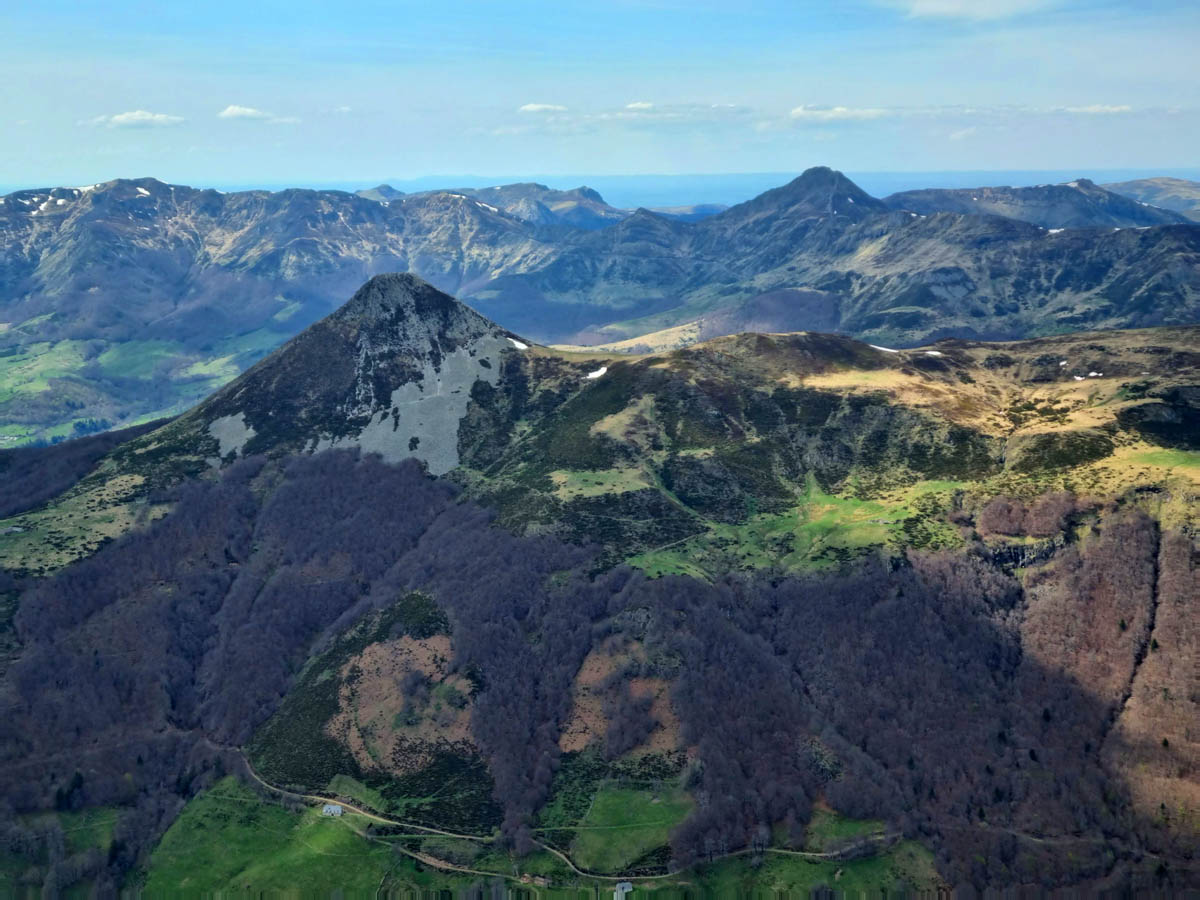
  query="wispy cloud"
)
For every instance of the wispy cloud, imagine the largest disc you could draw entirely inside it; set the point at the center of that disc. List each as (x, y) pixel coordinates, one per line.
(233, 111)
(839, 113)
(963, 133)
(541, 108)
(559, 120)
(969, 9)
(820, 115)
(137, 118)
(1098, 109)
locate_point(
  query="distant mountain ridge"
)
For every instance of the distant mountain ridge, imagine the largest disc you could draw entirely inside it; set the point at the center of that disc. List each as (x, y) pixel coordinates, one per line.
(134, 298)
(1176, 194)
(1075, 204)
(537, 204)
(896, 276)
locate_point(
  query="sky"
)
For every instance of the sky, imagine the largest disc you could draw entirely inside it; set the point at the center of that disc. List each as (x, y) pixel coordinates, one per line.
(361, 91)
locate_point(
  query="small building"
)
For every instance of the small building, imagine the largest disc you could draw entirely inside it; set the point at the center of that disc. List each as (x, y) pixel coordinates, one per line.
(331, 809)
(622, 888)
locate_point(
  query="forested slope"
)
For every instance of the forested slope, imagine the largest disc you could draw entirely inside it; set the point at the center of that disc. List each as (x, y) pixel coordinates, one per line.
(771, 598)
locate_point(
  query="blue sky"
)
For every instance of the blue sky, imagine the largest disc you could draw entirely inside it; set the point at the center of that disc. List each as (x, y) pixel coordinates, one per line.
(262, 91)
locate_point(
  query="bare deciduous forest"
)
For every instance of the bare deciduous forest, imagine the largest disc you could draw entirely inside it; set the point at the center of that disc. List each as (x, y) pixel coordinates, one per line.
(936, 691)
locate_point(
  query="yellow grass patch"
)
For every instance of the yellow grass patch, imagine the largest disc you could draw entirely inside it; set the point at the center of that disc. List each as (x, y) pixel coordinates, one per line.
(571, 484)
(75, 525)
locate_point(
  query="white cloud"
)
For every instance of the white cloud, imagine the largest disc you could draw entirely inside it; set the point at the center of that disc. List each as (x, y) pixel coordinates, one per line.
(838, 113)
(963, 133)
(1098, 109)
(233, 111)
(968, 9)
(541, 108)
(639, 104)
(137, 118)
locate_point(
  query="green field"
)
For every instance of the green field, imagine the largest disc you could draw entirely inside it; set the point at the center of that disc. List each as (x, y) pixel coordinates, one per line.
(229, 840)
(30, 369)
(138, 359)
(906, 869)
(623, 824)
(823, 530)
(827, 830)
(1168, 459)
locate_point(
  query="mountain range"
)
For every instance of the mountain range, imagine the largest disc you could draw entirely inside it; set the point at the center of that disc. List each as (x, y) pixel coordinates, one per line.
(581, 207)
(485, 596)
(133, 299)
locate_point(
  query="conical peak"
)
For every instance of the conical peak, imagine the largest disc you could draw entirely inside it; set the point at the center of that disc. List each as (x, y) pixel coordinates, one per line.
(822, 184)
(384, 297)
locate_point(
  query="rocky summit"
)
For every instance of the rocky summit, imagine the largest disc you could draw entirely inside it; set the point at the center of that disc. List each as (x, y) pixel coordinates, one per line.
(392, 372)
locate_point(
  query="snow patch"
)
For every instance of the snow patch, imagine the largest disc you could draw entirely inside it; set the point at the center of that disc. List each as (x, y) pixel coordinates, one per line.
(520, 345)
(934, 353)
(1063, 363)
(1055, 230)
(143, 192)
(60, 202)
(1078, 377)
(884, 349)
(486, 206)
(600, 371)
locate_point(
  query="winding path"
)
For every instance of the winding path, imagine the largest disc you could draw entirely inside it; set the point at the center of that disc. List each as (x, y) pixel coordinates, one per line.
(881, 840)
